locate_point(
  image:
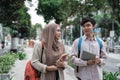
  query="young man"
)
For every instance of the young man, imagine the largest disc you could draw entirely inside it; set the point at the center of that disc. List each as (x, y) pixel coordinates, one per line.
(88, 69)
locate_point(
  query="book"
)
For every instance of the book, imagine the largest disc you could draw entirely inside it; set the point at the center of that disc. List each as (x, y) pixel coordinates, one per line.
(63, 57)
(87, 55)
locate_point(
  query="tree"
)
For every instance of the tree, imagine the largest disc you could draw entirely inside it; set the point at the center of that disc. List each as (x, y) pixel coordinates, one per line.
(33, 32)
(76, 10)
(37, 25)
(49, 9)
(62, 10)
(115, 5)
(24, 23)
(13, 14)
(8, 10)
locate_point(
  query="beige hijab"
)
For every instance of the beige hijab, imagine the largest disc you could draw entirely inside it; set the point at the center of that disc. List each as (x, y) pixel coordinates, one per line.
(53, 48)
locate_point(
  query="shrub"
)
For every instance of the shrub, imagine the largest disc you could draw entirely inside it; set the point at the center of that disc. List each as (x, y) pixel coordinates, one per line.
(110, 75)
(69, 62)
(21, 55)
(6, 62)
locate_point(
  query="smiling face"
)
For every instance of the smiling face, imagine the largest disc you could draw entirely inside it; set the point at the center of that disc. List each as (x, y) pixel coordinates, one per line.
(88, 28)
(58, 32)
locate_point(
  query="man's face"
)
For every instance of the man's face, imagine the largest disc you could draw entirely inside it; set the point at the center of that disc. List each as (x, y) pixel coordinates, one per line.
(88, 28)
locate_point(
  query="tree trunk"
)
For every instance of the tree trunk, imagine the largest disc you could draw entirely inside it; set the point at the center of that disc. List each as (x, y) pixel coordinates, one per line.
(14, 44)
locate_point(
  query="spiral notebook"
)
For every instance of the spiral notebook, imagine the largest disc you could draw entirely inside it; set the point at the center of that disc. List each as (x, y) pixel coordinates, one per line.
(87, 55)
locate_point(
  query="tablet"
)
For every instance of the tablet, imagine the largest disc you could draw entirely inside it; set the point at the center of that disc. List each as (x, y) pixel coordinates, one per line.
(87, 55)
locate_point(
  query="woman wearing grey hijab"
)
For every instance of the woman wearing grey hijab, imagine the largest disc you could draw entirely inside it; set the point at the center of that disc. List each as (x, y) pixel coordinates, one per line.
(51, 67)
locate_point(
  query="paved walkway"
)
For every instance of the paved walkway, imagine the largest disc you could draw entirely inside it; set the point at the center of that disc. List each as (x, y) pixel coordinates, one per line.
(111, 63)
(19, 68)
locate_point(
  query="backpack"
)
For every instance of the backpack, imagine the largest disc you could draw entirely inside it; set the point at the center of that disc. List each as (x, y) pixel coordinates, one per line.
(80, 43)
(30, 72)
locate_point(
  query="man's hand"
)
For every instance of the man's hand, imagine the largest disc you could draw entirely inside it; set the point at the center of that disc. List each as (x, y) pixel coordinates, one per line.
(51, 68)
(94, 61)
(90, 62)
(97, 60)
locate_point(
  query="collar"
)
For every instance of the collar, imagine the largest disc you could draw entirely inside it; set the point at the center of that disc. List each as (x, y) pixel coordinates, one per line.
(86, 38)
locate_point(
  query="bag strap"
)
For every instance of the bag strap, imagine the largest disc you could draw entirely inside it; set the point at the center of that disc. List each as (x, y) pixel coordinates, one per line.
(100, 45)
(42, 51)
(99, 42)
(38, 72)
(79, 44)
(79, 48)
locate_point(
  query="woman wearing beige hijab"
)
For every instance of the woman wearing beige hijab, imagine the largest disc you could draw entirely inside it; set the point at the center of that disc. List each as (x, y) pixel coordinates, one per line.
(51, 67)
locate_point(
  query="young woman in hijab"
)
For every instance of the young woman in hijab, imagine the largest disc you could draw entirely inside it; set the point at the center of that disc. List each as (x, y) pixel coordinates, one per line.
(51, 67)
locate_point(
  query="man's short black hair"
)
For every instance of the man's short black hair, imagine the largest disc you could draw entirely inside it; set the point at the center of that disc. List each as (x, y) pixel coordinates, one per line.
(87, 19)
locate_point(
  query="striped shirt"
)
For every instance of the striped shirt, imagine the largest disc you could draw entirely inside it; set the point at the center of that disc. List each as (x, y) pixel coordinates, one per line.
(88, 72)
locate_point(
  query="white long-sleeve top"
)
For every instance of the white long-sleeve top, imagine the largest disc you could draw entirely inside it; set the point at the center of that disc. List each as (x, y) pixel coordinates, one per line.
(88, 72)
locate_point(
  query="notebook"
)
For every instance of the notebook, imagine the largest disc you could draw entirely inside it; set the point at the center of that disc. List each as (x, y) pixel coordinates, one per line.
(87, 55)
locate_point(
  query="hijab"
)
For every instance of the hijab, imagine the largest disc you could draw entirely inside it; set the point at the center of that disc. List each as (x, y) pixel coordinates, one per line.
(53, 48)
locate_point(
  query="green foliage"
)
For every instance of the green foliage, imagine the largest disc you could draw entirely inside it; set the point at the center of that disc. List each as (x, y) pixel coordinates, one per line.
(60, 11)
(24, 23)
(6, 62)
(21, 55)
(69, 62)
(33, 30)
(37, 25)
(49, 9)
(13, 14)
(8, 9)
(110, 75)
(32, 33)
(6, 31)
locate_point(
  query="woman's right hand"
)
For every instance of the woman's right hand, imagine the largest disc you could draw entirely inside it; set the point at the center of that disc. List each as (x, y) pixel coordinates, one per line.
(51, 68)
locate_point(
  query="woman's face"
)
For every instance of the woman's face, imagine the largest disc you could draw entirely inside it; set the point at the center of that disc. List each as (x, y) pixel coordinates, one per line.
(58, 32)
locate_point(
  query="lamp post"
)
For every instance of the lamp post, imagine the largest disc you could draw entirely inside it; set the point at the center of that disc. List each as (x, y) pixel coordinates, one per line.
(71, 30)
(1, 37)
(1, 33)
(81, 28)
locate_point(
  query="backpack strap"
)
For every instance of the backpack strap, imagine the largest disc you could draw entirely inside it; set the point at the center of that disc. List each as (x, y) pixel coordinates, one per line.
(79, 44)
(79, 48)
(100, 45)
(99, 42)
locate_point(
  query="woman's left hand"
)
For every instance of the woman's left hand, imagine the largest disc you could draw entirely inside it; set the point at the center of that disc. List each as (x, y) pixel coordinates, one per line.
(60, 63)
